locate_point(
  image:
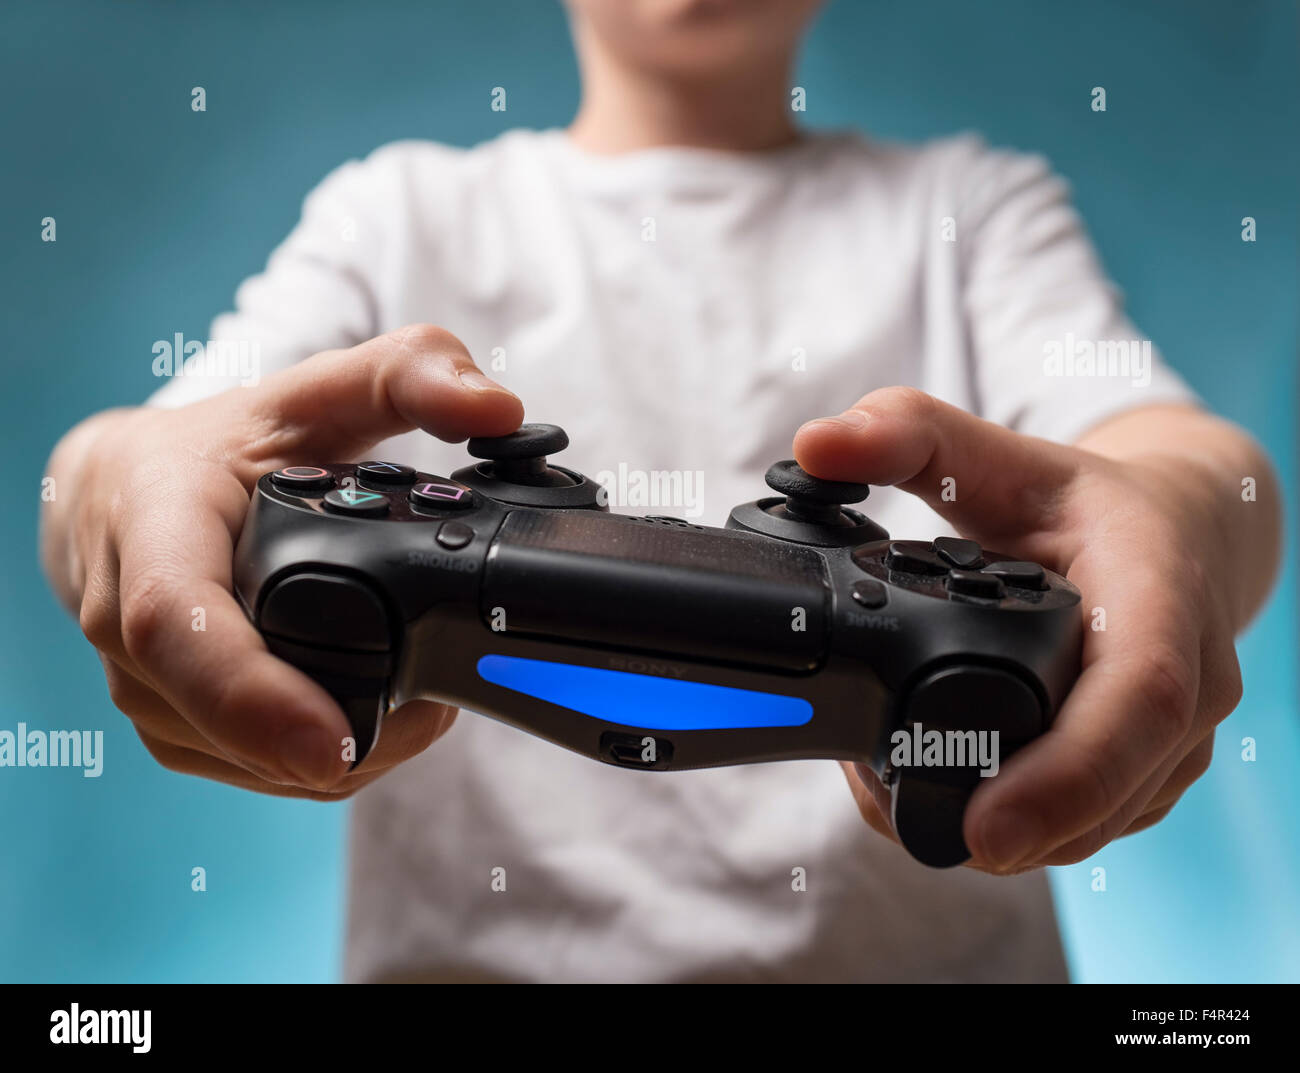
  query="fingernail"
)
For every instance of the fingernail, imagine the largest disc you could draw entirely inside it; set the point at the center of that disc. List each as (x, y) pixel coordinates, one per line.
(475, 380)
(850, 419)
(1009, 835)
(311, 755)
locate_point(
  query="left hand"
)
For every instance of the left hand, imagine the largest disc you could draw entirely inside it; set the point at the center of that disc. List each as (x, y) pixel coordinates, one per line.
(1143, 539)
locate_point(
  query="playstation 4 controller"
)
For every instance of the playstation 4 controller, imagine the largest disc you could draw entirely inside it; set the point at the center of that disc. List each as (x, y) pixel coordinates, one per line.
(799, 631)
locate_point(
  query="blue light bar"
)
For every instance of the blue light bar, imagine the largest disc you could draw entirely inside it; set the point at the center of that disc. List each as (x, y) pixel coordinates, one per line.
(642, 700)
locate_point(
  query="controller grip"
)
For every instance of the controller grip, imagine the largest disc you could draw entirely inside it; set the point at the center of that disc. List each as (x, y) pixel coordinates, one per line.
(928, 803)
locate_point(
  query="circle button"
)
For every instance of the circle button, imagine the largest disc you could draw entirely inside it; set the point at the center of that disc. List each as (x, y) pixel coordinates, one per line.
(302, 478)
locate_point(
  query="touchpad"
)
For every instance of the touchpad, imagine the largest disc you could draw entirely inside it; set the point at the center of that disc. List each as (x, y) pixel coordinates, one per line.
(652, 586)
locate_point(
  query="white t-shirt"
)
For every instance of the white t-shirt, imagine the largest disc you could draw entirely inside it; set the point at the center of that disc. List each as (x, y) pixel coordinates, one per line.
(686, 310)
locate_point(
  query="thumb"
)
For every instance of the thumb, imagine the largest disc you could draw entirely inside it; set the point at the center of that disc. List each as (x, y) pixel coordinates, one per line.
(984, 479)
(340, 403)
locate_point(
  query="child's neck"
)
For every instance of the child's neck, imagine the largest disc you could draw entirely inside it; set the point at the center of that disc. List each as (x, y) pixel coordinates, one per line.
(624, 109)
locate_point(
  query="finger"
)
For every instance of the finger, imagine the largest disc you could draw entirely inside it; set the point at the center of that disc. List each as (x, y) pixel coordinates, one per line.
(1157, 798)
(153, 718)
(185, 761)
(1132, 707)
(1219, 692)
(1187, 771)
(983, 478)
(1147, 819)
(342, 402)
(1221, 684)
(147, 710)
(176, 557)
(408, 731)
(870, 796)
(100, 616)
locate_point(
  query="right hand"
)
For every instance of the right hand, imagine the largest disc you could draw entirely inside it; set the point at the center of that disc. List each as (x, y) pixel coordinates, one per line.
(149, 504)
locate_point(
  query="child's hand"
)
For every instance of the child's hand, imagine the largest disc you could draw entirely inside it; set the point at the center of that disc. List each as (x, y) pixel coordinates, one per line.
(149, 505)
(1158, 539)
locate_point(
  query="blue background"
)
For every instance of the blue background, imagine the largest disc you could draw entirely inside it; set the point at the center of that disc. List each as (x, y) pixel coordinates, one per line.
(161, 212)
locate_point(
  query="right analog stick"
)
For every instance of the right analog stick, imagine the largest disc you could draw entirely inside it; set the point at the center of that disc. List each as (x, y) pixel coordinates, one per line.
(811, 499)
(520, 457)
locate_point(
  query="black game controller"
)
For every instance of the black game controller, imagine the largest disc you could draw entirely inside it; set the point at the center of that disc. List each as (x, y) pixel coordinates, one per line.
(799, 631)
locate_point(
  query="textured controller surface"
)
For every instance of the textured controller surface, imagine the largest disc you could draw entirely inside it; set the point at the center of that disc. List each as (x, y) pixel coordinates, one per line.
(799, 631)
